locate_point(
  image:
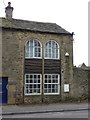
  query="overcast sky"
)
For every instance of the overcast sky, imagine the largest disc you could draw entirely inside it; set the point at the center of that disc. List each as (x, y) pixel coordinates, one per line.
(72, 15)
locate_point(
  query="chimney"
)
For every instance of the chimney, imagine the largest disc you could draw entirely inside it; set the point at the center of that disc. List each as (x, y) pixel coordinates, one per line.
(9, 11)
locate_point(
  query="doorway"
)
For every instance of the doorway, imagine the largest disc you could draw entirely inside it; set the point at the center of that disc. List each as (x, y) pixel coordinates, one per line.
(3, 90)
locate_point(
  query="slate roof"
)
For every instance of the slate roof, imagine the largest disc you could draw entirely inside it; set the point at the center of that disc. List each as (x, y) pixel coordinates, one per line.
(33, 26)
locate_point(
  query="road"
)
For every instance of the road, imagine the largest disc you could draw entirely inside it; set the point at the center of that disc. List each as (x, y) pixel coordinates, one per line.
(65, 114)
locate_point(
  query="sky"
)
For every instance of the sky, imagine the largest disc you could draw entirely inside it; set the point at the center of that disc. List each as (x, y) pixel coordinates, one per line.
(71, 15)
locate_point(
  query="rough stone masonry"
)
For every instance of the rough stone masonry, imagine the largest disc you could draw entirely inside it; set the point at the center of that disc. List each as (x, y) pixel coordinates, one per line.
(73, 81)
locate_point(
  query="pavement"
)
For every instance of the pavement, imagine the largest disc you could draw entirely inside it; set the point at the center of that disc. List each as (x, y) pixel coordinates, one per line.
(42, 108)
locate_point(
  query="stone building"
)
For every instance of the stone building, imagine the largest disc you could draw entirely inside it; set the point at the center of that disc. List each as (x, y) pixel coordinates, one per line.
(37, 61)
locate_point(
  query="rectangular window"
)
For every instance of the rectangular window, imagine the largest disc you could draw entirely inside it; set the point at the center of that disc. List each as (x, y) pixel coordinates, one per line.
(51, 84)
(33, 84)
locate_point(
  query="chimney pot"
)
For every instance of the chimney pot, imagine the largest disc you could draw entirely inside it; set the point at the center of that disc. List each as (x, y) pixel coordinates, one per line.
(9, 4)
(9, 11)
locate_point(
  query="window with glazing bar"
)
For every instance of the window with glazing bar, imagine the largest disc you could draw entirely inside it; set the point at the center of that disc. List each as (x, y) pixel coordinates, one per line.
(51, 50)
(33, 84)
(33, 49)
(51, 83)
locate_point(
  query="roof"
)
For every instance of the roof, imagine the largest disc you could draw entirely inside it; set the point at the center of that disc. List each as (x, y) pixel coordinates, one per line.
(82, 65)
(33, 26)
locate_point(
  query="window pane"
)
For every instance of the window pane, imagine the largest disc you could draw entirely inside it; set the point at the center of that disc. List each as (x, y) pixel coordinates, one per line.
(35, 80)
(53, 90)
(38, 90)
(49, 86)
(45, 86)
(39, 55)
(38, 86)
(39, 76)
(45, 81)
(56, 55)
(35, 55)
(45, 90)
(39, 44)
(30, 91)
(53, 45)
(39, 50)
(38, 80)
(30, 86)
(36, 49)
(34, 86)
(26, 86)
(31, 43)
(49, 90)
(31, 51)
(26, 76)
(35, 43)
(27, 51)
(31, 81)
(46, 49)
(31, 76)
(26, 81)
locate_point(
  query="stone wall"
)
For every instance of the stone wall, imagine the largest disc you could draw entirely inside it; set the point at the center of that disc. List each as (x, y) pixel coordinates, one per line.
(11, 66)
(80, 83)
(13, 45)
(13, 59)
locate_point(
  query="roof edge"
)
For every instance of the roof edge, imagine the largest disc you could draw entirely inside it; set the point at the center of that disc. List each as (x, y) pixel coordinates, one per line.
(21, 29)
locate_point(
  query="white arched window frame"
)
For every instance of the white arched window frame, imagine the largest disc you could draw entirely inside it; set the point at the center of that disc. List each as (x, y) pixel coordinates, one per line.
(52, 50)
(33, 49)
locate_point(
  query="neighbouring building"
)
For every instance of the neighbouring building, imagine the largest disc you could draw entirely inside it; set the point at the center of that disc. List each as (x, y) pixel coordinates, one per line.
(37, 63)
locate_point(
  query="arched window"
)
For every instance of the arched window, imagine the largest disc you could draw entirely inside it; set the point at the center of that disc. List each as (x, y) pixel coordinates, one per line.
(51, 50)
(33, 49)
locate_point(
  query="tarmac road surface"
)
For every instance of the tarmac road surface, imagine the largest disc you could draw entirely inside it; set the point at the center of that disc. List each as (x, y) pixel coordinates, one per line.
(65, 114)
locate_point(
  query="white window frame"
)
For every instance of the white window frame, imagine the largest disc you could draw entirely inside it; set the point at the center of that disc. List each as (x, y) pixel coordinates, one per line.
(51, 50)
(33, 49)
(33, 84)
(53, 84)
